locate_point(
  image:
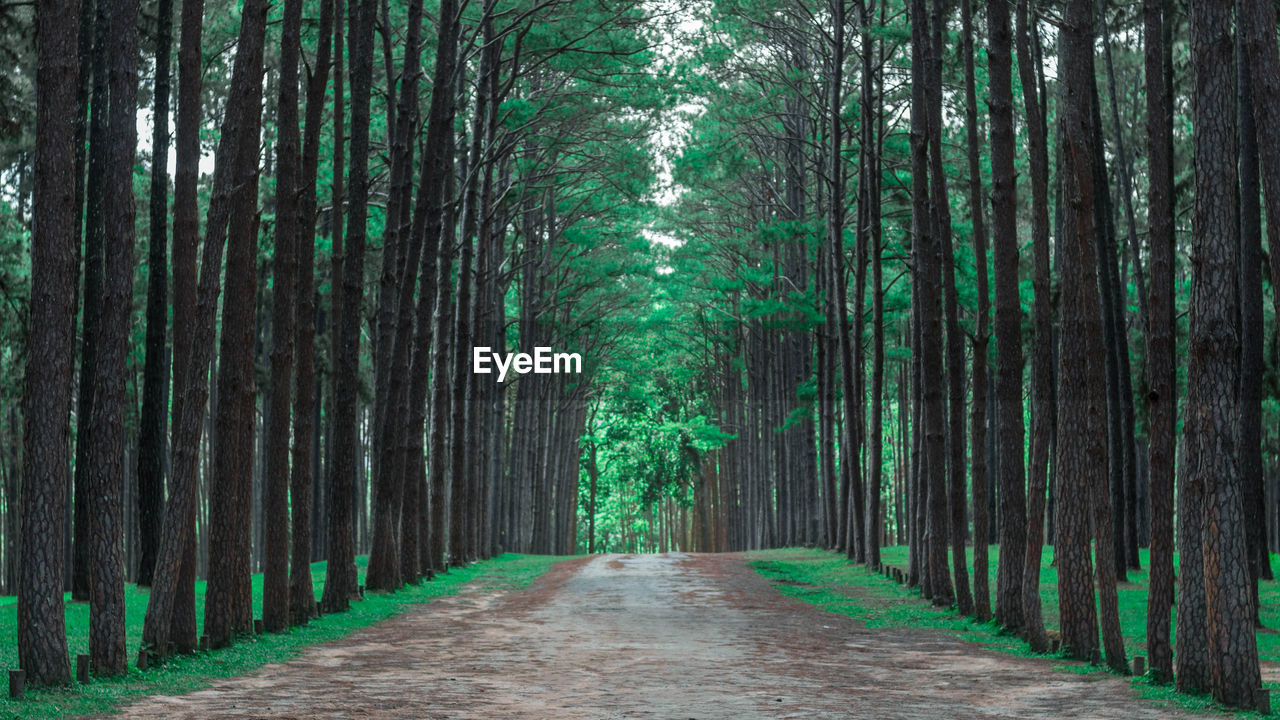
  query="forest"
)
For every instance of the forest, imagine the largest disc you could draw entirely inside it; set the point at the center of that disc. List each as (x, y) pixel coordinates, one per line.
(844, 274)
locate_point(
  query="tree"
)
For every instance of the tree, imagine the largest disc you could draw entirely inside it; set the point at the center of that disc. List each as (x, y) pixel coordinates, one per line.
(42, 640)
(1008, 320)
(441, 331)
(1161, 369)
(1042, 359)
(175, 565)
(340, 576)
(1126, 529)
(1252, 327)
(106, 444)
(228, 607)
(955, 343)
(399, 278)
(152, 449)
(978, 414)
(928, 275)
(284, 301)
(94, 238)
(186, 237)
(850, 350)
(1264, 77)
(1213, 365)
(302, 598)
(1081, 375)
(828, 345)
(874, 526)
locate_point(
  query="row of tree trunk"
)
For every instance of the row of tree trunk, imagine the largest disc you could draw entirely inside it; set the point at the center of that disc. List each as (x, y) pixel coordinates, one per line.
(432, 469)
(1098, 496)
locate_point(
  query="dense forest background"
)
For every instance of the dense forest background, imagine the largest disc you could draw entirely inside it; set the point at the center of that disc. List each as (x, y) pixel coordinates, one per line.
(842, 274)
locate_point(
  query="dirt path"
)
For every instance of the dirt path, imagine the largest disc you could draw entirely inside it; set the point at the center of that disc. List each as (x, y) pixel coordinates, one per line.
(667, 636)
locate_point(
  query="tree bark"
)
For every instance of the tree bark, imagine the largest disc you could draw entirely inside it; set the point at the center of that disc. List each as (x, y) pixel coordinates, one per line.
(396, 331)
(302, 598)
(41, 628)
(1264, 76)
(830, 263)
(152, 449)
(982, 333)
(439, 231)
(1008, 322)
(874, 525)
(1042, 359)
(228, 607)
(186, 238)
(1252, 328)
(1081, 411)
(1161, 368)
(94, 238)
(928, 259)
(105, 449)
(959, 524)
(1213, 367)
(1127, 528)
(243, 114)
(284, 301)
(340, 575)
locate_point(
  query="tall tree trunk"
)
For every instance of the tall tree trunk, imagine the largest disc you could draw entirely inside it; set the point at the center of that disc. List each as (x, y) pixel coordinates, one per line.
(230, 198)
(490, 315)
(46, 407)
(155, 395)
(850, 348)
(340, 576)
(171, 606)
(1213, 367)
(228, 608)
(1008, 322)
(959, 524)
(396, 330)
(94, 238)
(186, 238)
(464, 423)
(928, 260)
(1252, 327)
(1264, 76)
(436, 166)
(1109, 515)
(982, 333)
(1113, 337)
(1127, 528)
(874, 525)
(1081, 411)
(106, 444)
(338, 214)
(832, 309)
(302, 598)
(1161, 398)
(284, 301)
(84, 85)
(853, 367)
(1042, 360)
(441, 388)
(437, 270)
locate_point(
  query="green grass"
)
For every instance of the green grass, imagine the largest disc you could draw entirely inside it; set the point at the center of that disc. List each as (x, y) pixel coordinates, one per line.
(193, 672)
(827, 580)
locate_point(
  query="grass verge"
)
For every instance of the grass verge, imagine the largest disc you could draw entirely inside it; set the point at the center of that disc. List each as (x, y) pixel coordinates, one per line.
(193, 672)
(827, 580)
